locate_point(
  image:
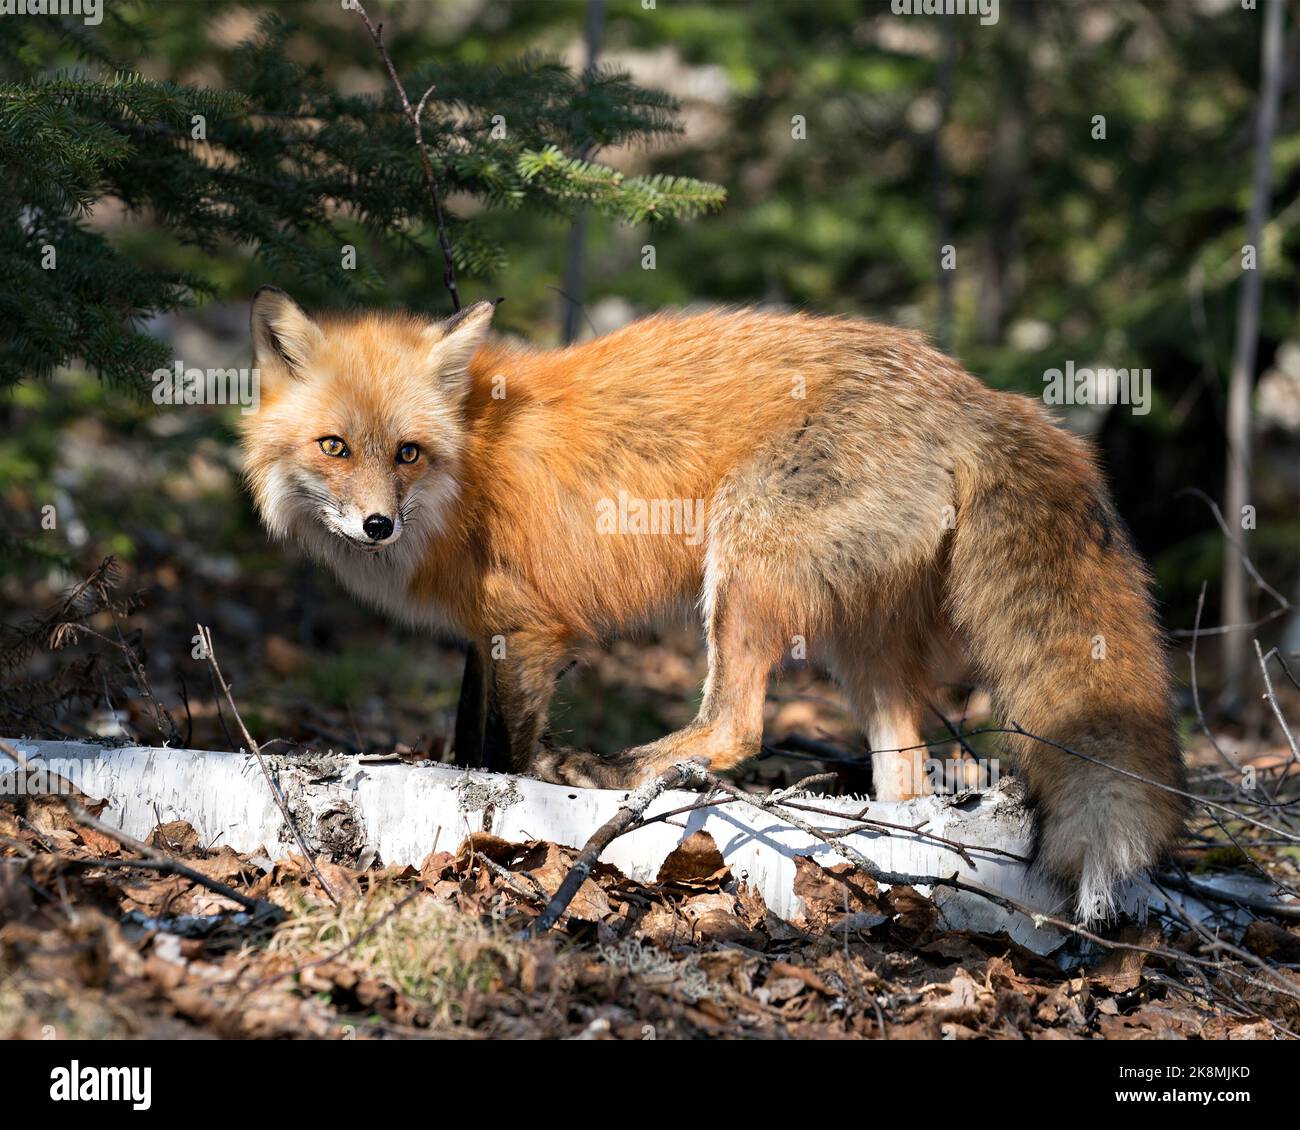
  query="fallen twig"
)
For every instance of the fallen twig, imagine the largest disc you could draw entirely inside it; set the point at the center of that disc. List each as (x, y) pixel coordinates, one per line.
(1283, 605)
(1037, 917)
(205, 639)
(767, 804)
(628, 816)
(1217, 944)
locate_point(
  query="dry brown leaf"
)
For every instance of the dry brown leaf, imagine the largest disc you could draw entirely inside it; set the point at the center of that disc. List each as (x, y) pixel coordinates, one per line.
(1120, 971)
(694, 864)
(1067, 1004)
(176, 836)
(962, 999)
(435, 863)
(828, 893)
(157, 896)
(548, 864)
(914, 916)
(226, 866)
(777, 990)
(99, 844)
(342, 880)
(713, 918)
(807, 976)
(484, 843)
(1152, 1022)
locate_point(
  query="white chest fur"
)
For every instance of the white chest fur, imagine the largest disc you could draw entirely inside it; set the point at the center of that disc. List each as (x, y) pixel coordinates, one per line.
(382, 579)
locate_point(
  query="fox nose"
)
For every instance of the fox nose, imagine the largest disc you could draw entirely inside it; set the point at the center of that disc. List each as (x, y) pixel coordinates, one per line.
(377, 527)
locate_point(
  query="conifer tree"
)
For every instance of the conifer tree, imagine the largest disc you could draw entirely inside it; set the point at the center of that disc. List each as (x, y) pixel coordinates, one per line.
(281, 163)
(285, 164)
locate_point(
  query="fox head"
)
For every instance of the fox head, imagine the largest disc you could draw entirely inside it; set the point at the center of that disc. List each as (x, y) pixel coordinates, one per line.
(356, 446)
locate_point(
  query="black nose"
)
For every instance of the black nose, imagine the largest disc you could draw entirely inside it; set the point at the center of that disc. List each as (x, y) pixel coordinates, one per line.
(377, 527)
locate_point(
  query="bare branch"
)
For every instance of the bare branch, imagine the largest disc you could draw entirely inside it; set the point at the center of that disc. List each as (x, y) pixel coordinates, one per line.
(430, 178)
(205, 638)
(625, 819)
(1271, 695)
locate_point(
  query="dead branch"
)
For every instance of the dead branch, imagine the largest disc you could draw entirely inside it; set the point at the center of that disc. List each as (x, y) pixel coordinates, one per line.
(835, 841)
(1283, 605)
(803, 785)
(205, 639)
(538, 894)
(630, 816)
(776, 808)
(162, 720)
(1037, 917)
(38, 701)
(1272, 700)
(1202, 801)
(624, 820)
(862, 823)
(1217, 944)
(1189, 885)
(430, 178)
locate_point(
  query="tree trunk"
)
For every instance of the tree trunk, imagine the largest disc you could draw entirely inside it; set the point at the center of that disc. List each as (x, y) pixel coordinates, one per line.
(1242, 381)
(939, 184)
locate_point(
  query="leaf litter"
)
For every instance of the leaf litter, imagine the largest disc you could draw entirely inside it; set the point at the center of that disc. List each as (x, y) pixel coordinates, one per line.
(92, 945)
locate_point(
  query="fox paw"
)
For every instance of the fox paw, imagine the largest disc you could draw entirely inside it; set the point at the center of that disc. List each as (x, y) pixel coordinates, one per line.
(562, 765)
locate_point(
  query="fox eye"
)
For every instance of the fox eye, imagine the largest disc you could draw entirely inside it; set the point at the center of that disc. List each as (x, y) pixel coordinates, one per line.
(408, 453)
(334, 445)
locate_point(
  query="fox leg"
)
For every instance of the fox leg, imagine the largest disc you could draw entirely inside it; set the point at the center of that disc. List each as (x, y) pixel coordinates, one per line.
(743, 645)
(897, 755)
(883, 672)
(524, 675)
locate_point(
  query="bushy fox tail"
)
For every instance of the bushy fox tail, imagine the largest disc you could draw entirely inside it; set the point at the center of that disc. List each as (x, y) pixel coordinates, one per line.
(1054, 604)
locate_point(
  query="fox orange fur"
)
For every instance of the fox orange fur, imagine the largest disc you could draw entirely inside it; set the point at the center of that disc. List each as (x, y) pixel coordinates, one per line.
(851, 486)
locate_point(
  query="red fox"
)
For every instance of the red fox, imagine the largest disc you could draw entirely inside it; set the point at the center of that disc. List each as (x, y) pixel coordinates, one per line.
(799, 478)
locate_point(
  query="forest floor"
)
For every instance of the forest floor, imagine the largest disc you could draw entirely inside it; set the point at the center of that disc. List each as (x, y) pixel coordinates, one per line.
(96, 943)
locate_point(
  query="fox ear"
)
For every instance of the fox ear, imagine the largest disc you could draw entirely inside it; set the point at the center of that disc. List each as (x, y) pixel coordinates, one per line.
(452, 343)
(282, 330)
